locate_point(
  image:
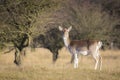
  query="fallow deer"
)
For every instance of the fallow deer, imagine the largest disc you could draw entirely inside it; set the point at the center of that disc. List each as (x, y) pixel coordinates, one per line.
(84, 47)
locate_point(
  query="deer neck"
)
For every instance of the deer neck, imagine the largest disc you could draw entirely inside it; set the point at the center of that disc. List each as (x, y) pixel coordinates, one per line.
(66, 41)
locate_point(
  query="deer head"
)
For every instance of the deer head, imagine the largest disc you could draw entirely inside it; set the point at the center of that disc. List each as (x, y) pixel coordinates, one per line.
(65, 31)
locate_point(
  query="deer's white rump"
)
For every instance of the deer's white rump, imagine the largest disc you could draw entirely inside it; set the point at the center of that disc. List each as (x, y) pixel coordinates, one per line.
(84, 47)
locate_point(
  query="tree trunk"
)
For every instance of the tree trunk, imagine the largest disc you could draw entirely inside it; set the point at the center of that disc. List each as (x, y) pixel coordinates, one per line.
(19, 54)
(17, 60)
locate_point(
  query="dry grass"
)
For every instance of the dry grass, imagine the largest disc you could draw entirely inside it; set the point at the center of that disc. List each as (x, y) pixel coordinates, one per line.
(38, 66)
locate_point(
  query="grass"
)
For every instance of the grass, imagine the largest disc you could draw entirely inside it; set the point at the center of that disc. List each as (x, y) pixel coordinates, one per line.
(38, 65)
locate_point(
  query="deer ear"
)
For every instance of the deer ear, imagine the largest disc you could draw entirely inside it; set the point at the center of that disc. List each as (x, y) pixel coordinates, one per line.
(60, 28)
(69, 29)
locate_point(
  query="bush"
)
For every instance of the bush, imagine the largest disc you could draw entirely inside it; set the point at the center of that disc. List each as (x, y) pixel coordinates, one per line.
(89, 20)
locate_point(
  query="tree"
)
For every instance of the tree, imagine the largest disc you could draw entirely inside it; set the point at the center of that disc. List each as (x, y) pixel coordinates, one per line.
(21, 23)
(89, 20)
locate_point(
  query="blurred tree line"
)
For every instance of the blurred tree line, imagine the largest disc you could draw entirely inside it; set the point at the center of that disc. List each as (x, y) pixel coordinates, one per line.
(34, 23)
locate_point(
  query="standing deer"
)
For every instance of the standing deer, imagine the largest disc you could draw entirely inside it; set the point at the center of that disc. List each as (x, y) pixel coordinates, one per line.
(84, 47)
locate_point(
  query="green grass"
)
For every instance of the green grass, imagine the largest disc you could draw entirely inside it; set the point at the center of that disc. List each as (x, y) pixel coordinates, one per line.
(38, 66)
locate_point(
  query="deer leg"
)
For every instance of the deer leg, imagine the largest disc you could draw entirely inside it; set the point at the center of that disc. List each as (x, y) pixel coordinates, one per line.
(72, 58)
(100, 64)
(100, 60)
(96, 64)
(75, 61)
(96, 58)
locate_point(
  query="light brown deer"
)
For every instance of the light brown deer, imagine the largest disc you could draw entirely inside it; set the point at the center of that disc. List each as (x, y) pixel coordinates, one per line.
(84, 47)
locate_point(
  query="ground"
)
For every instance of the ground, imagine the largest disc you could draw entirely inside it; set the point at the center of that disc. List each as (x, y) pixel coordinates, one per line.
(38, 65)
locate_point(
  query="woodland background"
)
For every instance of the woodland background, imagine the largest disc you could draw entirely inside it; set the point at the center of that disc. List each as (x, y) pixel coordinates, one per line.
(30, 38)
(34, 23)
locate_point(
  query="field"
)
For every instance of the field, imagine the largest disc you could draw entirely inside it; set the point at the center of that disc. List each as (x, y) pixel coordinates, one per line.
(38, 65)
